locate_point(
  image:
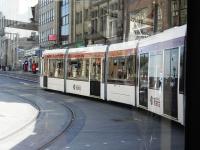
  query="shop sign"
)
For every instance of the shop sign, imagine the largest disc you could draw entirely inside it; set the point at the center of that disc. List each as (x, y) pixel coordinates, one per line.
(52, 37)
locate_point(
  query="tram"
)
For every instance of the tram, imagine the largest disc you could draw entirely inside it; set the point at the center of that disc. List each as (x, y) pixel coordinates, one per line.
(146, 73)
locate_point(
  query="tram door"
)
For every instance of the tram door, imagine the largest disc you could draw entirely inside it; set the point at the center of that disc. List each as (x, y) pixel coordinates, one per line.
(45, 71)
(171, 82)
(143, 80)
(95, 77)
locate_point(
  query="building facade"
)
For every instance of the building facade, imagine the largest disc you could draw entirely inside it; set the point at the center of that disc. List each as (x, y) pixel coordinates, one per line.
(147, 17)
(65, 25)
(106, 21)
(82, 22)
(48, 23)
(75, 23)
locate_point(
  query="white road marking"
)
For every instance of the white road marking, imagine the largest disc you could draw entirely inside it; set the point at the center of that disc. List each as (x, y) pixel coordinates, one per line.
(47, 110)
(105, 143)
(24, 83)
(136, 119)
(139, 139)
(122, 141)
(87, 145)
(26, 95)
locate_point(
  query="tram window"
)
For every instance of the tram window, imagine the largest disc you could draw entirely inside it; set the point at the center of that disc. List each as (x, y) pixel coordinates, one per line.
(56, 68)
(45, 70)
(181, 83)
(155, 71)
(95, 72)
(78, 69)
(122, 70)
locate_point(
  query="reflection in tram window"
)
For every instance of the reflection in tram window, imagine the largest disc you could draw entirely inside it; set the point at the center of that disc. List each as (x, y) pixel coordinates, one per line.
(143, 80)
(181, 86)
(155, 71)
(78, 69)
(122, 69)
(95, 72)
(170, 82)
(45, 70)
(56, 68)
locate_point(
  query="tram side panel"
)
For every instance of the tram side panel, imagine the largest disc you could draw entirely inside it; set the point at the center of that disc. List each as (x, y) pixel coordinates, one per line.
(159, 59)
(77, 81)
(53, 69)
(41, 73)
(181, 99)
(84, 71)
(122, 73)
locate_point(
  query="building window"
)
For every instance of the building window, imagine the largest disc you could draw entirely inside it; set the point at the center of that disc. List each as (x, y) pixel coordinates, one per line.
(79, 17)
(158, 22)
(179, 12)
(94, 26)
(113, 28)
(143, 21)
(183, 12)
(114, 6)
(65, 2)
(94, 14)
(65, 20)
(53, 14)
(175, 12)
(86, 14)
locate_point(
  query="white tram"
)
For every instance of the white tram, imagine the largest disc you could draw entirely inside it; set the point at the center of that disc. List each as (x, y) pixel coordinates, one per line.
(84, 71)
(160, 73)
(121, 79)
(146, 73)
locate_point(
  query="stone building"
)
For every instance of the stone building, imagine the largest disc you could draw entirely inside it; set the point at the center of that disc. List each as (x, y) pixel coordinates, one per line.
(147, 17)
(106, 21)
(48, 23)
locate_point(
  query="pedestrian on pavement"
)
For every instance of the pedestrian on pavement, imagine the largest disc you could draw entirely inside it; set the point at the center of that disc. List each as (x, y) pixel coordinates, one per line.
(34, 67)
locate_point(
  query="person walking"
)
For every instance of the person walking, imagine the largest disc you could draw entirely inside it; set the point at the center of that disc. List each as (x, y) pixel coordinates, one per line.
(34, 67)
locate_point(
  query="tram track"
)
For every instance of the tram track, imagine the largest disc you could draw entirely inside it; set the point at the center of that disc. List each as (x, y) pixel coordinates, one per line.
(30, 78)
(64, 130)
(35, 105)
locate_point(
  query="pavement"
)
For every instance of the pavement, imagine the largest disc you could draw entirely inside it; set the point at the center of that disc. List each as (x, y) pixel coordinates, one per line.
(29, 76)
(27, 120)
(14, 114)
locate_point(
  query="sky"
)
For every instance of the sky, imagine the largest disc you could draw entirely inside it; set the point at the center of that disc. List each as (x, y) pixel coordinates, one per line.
(19, 10)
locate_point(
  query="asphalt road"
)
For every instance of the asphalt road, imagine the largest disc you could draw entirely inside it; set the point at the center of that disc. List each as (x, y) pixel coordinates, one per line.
(80, 123)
